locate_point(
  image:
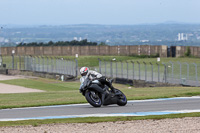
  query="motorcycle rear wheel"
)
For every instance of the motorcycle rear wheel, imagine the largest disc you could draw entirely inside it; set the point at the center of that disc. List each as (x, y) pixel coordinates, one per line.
(122, 101)
(94, 100)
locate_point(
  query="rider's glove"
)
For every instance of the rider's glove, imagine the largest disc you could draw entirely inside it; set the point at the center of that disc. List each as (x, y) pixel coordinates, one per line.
(80, 90)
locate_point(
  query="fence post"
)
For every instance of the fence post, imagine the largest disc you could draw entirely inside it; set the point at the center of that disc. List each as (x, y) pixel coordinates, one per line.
(19, 62)
(139, 68)
(187, 70)
(70, 66)
(51, 64)
(180, 70)
(64, 65)
(99, 65)
(116, 69)
(24, 62)
(121, 69)
(67, 66)
(29, 62)
(196, 76)
(73, 67)
(111, 74)
(133, 70)
(39, 64)
(1, 59)
(56, 65)
(76, 67)
(61, 66)
(145, 70)
(42, 64)
(32, 64)
(35, 63)
(13, 61)
(158, 72)
(172, 70)
(151, 71)
(47, 64)
(165, 72)
(127, 68)
(105, 66)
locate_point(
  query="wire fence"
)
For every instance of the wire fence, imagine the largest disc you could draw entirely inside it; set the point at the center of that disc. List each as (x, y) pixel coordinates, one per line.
(170, 72)
(183, 73)
(40, 64)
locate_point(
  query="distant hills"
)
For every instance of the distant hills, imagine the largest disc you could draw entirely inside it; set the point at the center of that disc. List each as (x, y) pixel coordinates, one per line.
(168, 33)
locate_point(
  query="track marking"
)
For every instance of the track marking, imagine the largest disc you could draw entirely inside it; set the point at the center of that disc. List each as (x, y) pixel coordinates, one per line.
(105, 115)
(164, 99)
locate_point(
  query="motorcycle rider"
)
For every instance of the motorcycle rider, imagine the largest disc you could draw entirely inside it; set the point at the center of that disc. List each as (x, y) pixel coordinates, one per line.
(84, 71)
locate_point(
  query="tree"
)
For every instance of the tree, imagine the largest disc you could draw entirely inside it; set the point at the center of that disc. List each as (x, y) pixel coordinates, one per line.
(103, 44)
(188, 52)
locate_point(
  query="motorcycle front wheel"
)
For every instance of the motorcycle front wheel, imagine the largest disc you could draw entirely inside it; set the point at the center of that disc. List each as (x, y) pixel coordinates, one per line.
(93, 98)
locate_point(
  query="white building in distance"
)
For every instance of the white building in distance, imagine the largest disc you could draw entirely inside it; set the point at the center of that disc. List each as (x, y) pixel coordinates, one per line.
(182, 37)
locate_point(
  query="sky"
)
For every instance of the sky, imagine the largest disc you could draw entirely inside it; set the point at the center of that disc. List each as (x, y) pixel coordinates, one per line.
(108, 12)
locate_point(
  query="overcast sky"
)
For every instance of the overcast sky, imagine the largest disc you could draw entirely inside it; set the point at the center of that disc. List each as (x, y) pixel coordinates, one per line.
(117, 12)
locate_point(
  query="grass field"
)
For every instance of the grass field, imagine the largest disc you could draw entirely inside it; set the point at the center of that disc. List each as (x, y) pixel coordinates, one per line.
(57, 93)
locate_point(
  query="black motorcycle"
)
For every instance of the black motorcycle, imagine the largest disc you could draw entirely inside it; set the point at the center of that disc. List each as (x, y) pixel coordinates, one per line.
(98, 94)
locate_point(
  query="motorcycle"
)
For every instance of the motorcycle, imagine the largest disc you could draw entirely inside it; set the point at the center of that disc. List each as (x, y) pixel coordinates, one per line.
(98, 94)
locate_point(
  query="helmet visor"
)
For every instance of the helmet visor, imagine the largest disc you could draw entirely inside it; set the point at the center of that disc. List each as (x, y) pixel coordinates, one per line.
(84, 74)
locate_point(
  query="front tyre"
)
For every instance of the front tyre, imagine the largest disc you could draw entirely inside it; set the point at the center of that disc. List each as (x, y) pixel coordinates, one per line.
(93, 98)
(122, 100)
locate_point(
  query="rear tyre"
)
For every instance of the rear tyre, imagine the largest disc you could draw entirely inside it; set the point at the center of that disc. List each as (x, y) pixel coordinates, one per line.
(93, 98)
(122, 101)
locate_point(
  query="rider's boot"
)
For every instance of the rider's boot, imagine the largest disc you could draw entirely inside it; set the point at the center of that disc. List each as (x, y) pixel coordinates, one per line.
(102, 98)
(111, 87)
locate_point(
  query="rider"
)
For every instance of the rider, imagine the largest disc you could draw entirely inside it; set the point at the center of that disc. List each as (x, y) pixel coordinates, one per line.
(84, 71)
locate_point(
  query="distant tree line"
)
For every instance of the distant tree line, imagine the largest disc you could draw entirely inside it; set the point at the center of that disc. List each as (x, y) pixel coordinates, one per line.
(60, 43)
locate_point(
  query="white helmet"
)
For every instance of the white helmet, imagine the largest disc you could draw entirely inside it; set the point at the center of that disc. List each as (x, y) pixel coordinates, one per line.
(84, 71)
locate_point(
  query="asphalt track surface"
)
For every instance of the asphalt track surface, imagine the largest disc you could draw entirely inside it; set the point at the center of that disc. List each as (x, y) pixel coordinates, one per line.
(133, 108)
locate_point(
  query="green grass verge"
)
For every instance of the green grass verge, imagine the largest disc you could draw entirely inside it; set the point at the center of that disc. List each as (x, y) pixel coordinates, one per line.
(57, 93)
(95, 119)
